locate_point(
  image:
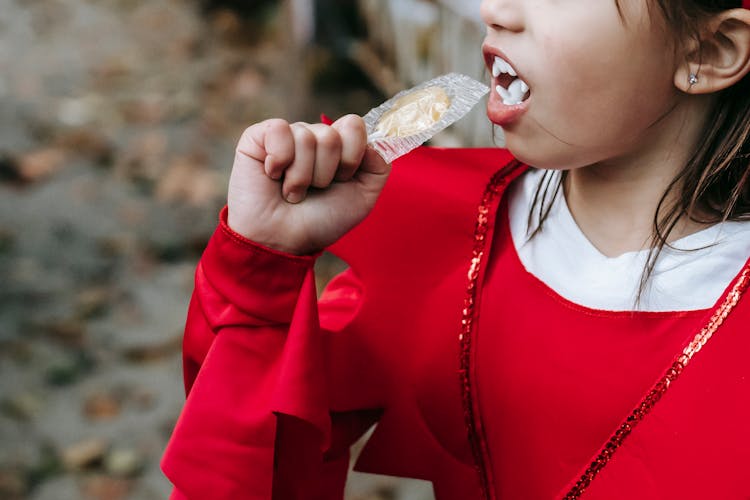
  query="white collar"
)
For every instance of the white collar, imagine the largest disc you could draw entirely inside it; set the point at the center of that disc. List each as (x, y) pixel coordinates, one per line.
(692, 276)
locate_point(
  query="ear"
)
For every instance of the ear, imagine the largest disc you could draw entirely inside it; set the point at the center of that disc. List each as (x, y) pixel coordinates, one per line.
(719, 57)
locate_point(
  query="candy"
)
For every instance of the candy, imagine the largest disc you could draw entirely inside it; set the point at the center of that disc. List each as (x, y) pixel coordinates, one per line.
(414, 113)
(414, 116)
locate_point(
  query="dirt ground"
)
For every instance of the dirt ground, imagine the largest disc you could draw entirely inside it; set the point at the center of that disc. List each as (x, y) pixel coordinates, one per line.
(118, 121)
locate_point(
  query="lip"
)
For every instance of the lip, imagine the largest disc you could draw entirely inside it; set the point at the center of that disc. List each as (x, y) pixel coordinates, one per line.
(499, 113)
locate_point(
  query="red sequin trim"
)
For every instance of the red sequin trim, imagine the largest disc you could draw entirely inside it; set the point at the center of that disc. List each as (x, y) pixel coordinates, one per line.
(661, 386)
(468, 318)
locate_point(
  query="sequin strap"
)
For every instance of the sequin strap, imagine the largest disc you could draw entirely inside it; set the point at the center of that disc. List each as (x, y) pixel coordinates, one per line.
(468, 318)
(656, 393)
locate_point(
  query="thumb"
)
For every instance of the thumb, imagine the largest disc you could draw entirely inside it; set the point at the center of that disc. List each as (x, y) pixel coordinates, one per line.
(372, 174)
(373, 163)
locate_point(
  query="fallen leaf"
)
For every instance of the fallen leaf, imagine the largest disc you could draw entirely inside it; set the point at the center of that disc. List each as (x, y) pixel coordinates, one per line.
(42, 163)
(188, 180)
(84, 454)
(101, 406)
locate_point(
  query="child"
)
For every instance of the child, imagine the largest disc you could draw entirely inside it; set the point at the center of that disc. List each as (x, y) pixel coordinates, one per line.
(578, 329)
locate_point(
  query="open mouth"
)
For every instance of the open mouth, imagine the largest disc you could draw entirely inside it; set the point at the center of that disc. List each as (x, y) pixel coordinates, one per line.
(512, 89)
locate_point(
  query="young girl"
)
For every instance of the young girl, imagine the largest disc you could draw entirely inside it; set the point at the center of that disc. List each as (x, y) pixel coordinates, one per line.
(575, 329)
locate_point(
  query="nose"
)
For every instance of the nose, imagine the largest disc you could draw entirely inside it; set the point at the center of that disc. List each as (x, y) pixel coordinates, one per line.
(502, 14)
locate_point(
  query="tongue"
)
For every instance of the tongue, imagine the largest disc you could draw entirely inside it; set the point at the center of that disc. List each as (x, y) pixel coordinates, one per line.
(505, 80)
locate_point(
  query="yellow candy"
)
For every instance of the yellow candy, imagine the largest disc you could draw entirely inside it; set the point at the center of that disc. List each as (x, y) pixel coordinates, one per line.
(415, 112)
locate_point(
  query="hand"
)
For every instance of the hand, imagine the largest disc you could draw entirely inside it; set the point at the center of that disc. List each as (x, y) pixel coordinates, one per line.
(298, 187)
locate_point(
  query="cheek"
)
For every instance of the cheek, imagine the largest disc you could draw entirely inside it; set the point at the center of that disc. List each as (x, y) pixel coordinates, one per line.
(595, 97)
(591, 100)
(567, 73)
(585, 116)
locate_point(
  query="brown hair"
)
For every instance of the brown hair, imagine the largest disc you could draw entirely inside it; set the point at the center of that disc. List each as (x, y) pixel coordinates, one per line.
(714, 185)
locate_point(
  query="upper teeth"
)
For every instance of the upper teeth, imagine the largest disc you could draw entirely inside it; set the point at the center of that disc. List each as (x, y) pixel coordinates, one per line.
(516, 90)
(500, 66)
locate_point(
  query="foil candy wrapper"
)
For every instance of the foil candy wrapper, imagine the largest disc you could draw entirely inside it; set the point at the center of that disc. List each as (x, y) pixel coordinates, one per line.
(413, 116)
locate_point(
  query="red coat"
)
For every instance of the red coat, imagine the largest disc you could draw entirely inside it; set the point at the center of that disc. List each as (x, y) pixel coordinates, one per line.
(280, 384)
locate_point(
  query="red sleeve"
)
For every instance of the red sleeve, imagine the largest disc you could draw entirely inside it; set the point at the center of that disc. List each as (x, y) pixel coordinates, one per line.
(256, 424)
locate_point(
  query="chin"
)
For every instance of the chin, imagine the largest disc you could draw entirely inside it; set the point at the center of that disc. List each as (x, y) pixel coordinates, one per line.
(527, 153)
(545, 156)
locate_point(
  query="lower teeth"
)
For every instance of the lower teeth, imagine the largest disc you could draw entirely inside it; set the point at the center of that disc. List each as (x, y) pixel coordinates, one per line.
(515, 92)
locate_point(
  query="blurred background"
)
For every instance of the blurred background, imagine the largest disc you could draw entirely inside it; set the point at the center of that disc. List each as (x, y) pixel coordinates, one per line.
(118, 121)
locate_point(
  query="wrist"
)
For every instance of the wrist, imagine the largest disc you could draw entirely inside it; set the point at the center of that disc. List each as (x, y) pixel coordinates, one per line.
(270, 242)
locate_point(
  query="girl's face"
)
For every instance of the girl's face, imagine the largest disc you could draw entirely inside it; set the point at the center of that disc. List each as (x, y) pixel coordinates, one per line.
(601, 84)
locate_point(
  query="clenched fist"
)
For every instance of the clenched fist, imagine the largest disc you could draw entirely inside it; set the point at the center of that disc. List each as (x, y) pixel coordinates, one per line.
(299, 187)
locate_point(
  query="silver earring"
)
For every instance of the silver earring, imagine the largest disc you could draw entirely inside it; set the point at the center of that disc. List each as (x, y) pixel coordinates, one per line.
(692, 79)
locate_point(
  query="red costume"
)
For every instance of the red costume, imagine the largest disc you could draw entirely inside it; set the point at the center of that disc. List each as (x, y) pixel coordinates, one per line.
(482, 379)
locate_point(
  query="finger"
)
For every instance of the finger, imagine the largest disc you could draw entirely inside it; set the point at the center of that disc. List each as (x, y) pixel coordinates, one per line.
(353, 134)
(298, 176)
(278, 144)
(327, 154)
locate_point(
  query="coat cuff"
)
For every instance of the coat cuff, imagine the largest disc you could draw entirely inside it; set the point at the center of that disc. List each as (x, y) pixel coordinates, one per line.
(260, 281)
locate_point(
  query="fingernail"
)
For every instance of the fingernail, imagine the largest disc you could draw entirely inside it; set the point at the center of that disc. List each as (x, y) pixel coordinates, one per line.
(295, 197)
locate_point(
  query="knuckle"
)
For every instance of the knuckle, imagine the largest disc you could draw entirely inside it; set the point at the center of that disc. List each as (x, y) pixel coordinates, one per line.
(354, 123)
(351, 119)
(304, 137)
(274, 127)
(276, 124)
(329, 139)
(356, 119)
